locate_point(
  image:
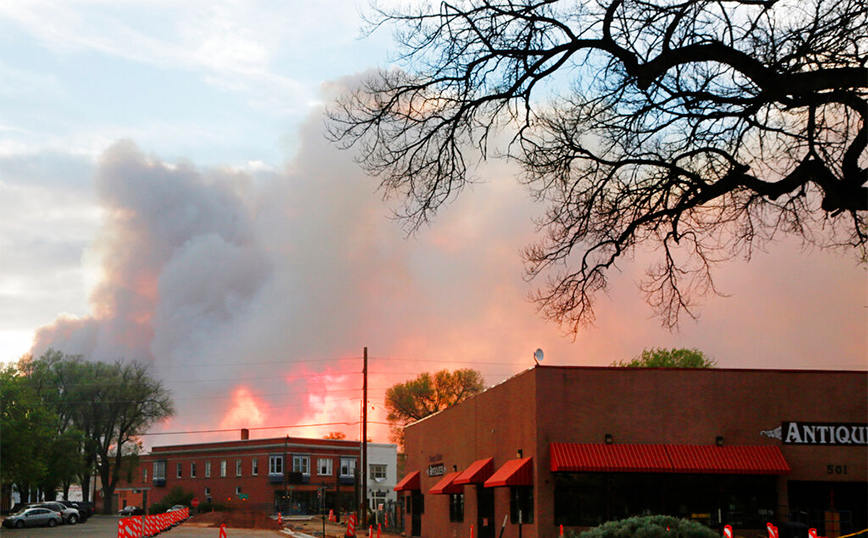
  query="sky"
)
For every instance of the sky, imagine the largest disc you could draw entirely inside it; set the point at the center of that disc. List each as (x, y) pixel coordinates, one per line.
(167, 196)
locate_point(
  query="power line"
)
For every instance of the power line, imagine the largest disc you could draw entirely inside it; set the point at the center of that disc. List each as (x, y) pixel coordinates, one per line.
(227, 430)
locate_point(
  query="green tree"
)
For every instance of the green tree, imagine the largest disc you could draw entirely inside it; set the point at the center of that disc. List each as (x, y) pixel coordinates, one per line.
(109, 404)
(669, 358)
(426, 394)
(702, 130)
(27, 432)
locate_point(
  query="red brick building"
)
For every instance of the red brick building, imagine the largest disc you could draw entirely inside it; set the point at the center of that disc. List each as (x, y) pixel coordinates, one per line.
(578, 446)
(286, 474)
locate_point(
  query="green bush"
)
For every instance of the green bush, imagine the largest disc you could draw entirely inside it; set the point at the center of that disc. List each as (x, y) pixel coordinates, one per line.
(650, 527)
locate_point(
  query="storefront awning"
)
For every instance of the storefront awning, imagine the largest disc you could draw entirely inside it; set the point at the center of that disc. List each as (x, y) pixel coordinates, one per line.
(513, 473)
(410, 482)
(688, 459)
(447, 485)
(727, 459)
(575, 457)
(477, 473)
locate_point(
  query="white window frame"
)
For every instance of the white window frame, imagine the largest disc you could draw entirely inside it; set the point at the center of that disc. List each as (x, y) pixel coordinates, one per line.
(238, 466)
(179, 472)
(348, 467)
(208, 469)
(192, 469)
(328, 463)
(160, 470)
(301, 464)
(222, 468)
(254, 467)
(275, 464)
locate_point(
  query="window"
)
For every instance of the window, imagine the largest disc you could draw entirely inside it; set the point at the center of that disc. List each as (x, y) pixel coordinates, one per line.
(521, 500)
(456, 507)
(178, 470)
(237, 490)
(301, 464)
(324, 466)
(378, 472)
(207, 469)
(144, 474)
(222, 468)
(275, 464)
(254, 467)
(348, 466)
(159, 470)
(237, 467)
(193, 469)
(207, 491)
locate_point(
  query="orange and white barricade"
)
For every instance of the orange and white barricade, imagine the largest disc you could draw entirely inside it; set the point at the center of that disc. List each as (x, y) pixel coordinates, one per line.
(351, 525)
(727, 531)
(773, 531)
(223, 530)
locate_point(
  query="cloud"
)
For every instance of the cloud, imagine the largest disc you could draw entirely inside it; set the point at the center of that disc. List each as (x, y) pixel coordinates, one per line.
(252, 293)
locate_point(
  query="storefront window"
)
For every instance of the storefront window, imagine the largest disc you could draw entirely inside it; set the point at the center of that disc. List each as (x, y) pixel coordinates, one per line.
(521, 500)
(456, 507)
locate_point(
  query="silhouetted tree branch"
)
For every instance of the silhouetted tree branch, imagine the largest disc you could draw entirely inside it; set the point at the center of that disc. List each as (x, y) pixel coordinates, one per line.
(702, 128)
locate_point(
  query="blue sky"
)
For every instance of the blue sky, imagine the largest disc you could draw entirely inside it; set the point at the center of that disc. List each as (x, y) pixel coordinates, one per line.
(167, 195)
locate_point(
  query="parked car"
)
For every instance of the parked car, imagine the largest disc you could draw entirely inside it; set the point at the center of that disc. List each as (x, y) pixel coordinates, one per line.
(33, 517)
(130, 510)
(176, 507)
(68, 514)
(83, 511)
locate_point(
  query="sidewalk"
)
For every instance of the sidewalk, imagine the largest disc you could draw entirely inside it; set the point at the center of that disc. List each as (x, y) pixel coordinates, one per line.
(314, 527)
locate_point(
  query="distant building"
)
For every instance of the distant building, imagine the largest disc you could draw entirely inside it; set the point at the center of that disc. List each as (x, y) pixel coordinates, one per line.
(578, 446)
(287, 474)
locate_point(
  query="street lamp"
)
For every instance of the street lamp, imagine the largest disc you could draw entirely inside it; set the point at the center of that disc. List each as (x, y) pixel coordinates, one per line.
(283, 470)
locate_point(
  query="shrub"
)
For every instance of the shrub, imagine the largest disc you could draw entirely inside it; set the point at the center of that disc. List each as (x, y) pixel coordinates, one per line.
(650, 527)
(176, 496)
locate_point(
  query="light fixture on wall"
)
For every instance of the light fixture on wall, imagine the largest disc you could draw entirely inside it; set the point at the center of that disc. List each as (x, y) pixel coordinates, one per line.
(519, 454)
(718, 440)
(454, 468)
(609, 439)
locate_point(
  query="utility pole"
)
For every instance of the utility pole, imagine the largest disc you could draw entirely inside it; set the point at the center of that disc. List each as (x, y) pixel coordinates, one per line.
(364, 458)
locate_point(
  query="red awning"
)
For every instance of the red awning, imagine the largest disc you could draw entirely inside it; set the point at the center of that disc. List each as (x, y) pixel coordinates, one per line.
(477, 473)
(694, 459)
(447, 485)
(410, 482)
(513, 473)
(575, 457)
(727, 459)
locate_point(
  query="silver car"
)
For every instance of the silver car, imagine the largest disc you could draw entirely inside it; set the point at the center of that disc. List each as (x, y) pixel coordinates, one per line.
(33, 517)
(68, 514)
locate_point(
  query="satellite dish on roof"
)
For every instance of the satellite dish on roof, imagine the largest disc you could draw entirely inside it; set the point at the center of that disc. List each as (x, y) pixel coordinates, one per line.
(538, 356)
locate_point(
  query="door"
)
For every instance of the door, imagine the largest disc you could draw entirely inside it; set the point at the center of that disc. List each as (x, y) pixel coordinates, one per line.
(485, 511)
(417, 507)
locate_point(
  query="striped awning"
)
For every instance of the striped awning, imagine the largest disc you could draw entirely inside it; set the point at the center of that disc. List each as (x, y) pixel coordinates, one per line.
(574, 457)
(727, 459)
(688, 459)
(513, 473)
(410, 482)
(477, 473)
(447, 485)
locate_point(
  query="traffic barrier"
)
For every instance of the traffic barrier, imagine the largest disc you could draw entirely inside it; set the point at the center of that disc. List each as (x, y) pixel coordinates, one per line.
(727, 531)
(332, 516)
(223, 530)
(351, 525)
(379, 530)
(279, 518)
(773, 531)
(562, 532)
(471, 531)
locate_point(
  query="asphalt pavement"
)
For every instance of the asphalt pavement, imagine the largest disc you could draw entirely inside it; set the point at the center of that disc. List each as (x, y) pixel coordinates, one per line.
(107, 527)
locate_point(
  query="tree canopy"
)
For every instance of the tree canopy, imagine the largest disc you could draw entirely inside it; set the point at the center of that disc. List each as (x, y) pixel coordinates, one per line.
(101, 409)
(426, 394)
(699, 129)
(669, 358)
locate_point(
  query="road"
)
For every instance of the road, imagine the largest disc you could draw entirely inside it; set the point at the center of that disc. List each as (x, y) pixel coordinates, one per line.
(107, 527)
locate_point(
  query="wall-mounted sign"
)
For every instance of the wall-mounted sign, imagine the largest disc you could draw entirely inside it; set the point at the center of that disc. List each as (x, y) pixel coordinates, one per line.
(821, 433)
(438, 469)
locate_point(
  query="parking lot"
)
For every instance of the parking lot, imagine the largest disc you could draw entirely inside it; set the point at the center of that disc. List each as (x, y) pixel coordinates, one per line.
(107, 527)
